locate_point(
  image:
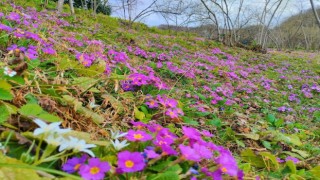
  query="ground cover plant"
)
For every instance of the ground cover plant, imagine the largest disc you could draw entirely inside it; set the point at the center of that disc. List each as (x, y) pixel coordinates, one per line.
(83, 97)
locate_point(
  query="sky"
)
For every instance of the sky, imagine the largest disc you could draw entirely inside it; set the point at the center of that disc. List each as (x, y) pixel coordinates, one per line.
(293, 7)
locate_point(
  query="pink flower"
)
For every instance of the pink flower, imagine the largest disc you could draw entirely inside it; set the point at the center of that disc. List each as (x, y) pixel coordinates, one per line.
(150, 153)
(152, 104)
(138, 136)
(189, 153)
(130, 161)
(191, 133)
(94, 170)
(203, 151)
(172, 113)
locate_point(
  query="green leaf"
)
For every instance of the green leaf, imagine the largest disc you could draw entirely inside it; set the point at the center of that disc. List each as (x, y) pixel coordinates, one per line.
(138, 114)
(278, 122)
(5, 94)
(289, 138)
(271, 118)
(11, 108)
(249, 156)
(190, 121)
(202, 114)
(240, 143)
(303, 154)
(5, 85)
(315, 171)
(48, 117)
(250, 136)
(33, 64)
(31, 99)
(144, 109)
(4, 115)
(270, 157)
(291, 166)
(92, 71)
(170, 175)
(246, 167)
(15, 173)
(214, 122)
(30, 110)
(84, 82)
(267, 145)
(202, 97)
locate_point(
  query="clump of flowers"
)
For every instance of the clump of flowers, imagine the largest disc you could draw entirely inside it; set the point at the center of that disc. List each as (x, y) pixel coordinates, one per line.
(285, 109)
(136, 80)
(156, 145)
(168, 105)
(91, 168)
(56, 137)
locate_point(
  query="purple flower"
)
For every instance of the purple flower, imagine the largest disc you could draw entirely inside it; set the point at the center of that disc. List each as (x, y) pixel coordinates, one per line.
(138, 136)
(203, 151)
(31, 52)
(206, 133)
(72, 165)
(150, 153)
(189, 153)
(152, 104)
(227, 163)
(280, 160)
(94, 170)
(13, 17)
(5, 28)
(168, 150)
(48, 49)
(139, 125)
(172, 113)
(282, 109)
(290, 158)
(127, 87)
(191, 133)
(165, 133)
(159, 141)
(130, 161)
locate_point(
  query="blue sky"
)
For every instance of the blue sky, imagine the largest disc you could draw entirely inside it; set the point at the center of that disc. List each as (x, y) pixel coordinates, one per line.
(293, 7)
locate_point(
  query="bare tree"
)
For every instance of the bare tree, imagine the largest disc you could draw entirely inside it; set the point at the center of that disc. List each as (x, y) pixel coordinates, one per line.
(131, 12)
(315, 12)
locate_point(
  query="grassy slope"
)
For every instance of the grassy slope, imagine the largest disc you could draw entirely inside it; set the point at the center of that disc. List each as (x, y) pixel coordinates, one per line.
(252, 122)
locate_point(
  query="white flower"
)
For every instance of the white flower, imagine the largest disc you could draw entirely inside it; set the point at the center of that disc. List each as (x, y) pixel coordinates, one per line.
(119, 145)
(9, 72)
(77, 145)
(48, 129)
(92, 105)
(55, 141)
(116, 135)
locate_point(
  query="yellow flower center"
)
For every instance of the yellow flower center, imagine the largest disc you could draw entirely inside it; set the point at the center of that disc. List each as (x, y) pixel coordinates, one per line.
(76, 167)
(137, 136)
(224, 170)
(162, 142)
(129, 164)
(152, 102)
(94, 170)
(171, 113)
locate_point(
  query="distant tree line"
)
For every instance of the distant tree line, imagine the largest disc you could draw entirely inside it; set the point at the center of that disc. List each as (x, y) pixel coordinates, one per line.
(97, 6)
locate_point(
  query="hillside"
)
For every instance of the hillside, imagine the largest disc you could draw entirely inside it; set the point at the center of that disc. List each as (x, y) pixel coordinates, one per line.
(86, 96)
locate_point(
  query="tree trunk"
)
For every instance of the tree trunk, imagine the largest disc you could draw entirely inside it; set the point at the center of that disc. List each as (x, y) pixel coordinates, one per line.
(71, 7)
(315, 13)
(60, 6)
